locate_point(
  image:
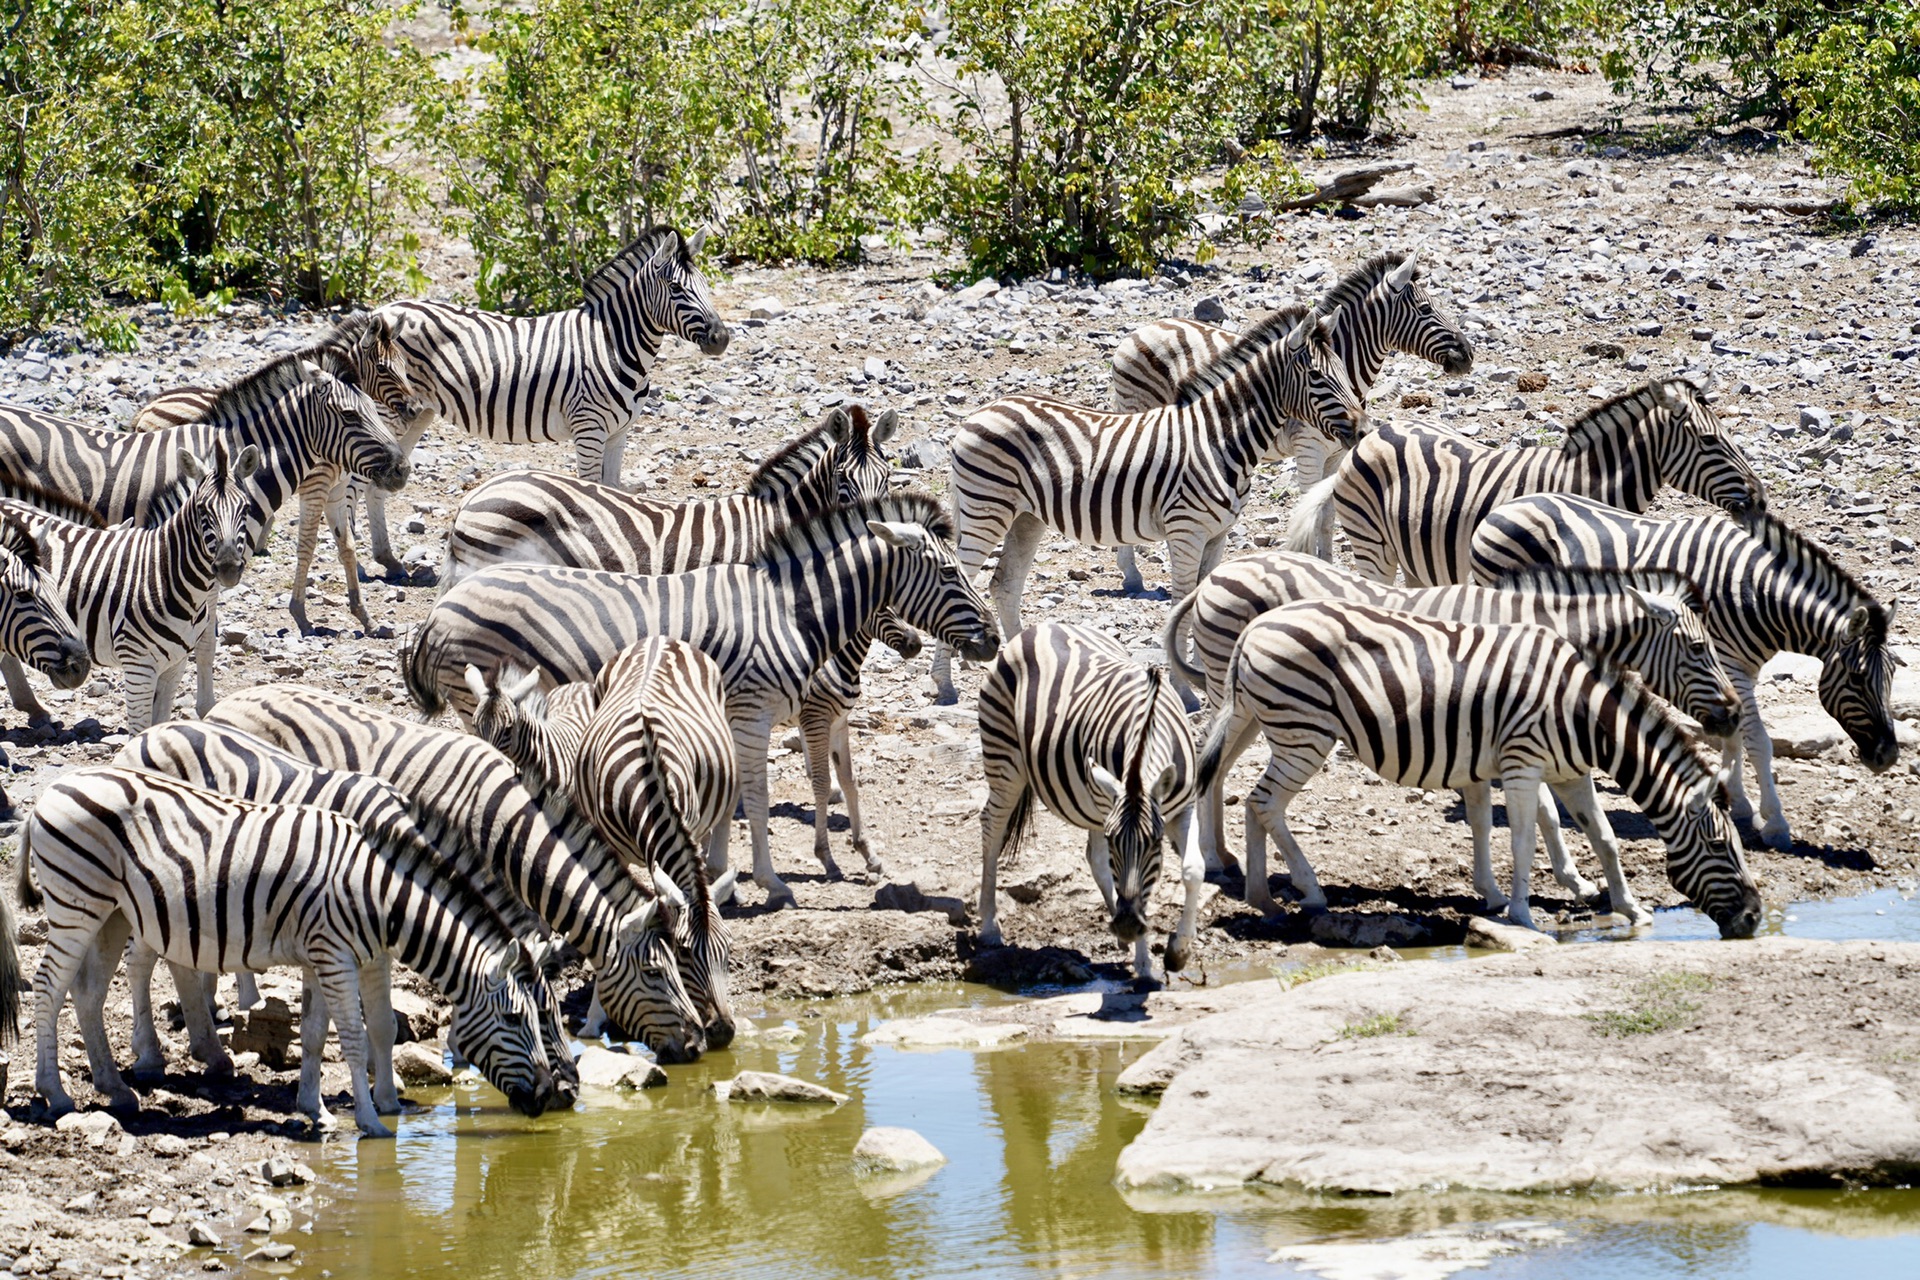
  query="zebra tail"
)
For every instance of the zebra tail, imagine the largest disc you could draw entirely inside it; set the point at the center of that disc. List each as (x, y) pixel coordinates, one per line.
(1219, 735)
(416, 670)
(10, 949)
(1019, 825)
(1303, 527)
(1185, 668)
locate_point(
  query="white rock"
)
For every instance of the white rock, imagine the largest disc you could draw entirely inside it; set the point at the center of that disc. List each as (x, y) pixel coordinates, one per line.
(767, 308)
(985, 287)
(768, 1086)
(421, 1066)
(604, 1069)
(1803, 733)
(1492, 935)
(936, 1032)
(885, 1149)
(97, 1126)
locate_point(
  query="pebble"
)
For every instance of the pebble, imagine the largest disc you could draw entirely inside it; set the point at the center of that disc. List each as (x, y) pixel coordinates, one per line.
(767, 308)
(282, 1172)
(277, 1251)
(171, 1146)
(202, 1236)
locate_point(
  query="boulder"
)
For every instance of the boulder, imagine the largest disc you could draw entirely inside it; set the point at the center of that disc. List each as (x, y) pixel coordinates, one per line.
(937, 1032)
(1369, 929)
(604, 1069)
(268, 1031)
(1495, 935)
(1803, 733)
(95, 1126)
(421, 1065)
(767, 308)
(884, 1149)
(1209, 311)
(767, 1086)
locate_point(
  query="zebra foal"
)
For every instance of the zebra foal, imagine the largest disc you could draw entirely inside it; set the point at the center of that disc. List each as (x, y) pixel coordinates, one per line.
(1410, 497)
(1066, 716)
(213, 883)
(1767, 588)
(1429, 703)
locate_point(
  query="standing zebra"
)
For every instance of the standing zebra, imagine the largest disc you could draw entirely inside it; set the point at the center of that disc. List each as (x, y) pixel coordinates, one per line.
(1768, 589)
(1411, 497)
(646, 753)
(241, 766)
(1026, 464)
(144, 597)
(578, 374)
(770, 625)
(1648, 622)
(35, 627)
(1428, 703)
(214, 884)
(360, 350)
(1384, 307)
(551, 859)
(1066, 716)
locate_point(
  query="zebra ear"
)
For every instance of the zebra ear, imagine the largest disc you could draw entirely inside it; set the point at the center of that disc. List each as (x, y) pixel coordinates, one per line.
(17, 537)
(1670, 397)
(191, 467)
(697, 243)
(1658, 609)
(521, 687)
(314, 373)
(476, 683)
(839, 424)
(1402, 276)
(1105, 781)
(636, 923)
(721, 891)
(1297, 337)
(884, 426)
(248, 462)
(897, 533)
(1330, 324)
(1164, 784)
(500, 968)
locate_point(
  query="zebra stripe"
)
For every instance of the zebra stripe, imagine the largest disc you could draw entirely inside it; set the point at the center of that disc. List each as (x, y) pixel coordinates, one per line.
(35, 627)
(1768, 589)
(770, 624)
(143, 597)
(1411, 497)
(550, 859)
(1025, 464)
(1066, 716)
(1429, 703)
(213, 883)
(578, 374)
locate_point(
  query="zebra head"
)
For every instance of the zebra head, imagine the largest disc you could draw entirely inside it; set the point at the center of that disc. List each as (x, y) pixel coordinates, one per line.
(925, 585)
(222, 501)
(379, 365)
(896, 635)
(344, 426)
(1705, 860)
(640, 988)
(1135, 828)
(1695, 453)
(1673, 653)
(651, 288)
(1314, 387)
(496, 1027)
(1856, 684)
(1409, 320)
(34, 624)
(861, 469)
(544, 956)
(510, 715)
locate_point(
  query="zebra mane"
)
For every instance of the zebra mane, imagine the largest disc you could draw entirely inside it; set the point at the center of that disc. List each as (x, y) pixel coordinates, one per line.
(1636, 405)
(271, 380)
(31, 493)
(1586, 580)
(1356, 284)
(786, 466)
(1795, 547)
(362, 328)
(801, 539)
(1634, 690)
(614, 274)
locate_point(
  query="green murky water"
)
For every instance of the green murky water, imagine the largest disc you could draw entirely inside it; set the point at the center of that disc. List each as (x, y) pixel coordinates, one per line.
(669, 1183)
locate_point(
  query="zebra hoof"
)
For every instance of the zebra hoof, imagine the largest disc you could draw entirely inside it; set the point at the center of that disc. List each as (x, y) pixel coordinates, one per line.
(148, 1072)
(781, 899)
(1176, 957)
(1777, 836)
(122, 1099)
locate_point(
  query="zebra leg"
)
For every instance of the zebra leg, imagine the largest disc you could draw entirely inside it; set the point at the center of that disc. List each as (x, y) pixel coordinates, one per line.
(1131, 583)
(313, 1046)
(1213, 813)
(1185, 834)
(376, 1002)
(1101, 862)
(1008, 798)
(197, 991)
(166, 688)
(1564, 869)
(1584, 804)
(203, 658)
(976, 533)
(246, 992)
(90, 1011)
(1478, 798)
(339, 520)
(750, 746)
(590, 453)
(816, 736)
(1009, 579)
(1267, 810)
(66, 950)
(143, 701)
(379, 541)
(850, 794)
(595, 1025)
(20, 691)
(1774, 832)
(1522, 789)
(1190, 557)
(339, 986)
(149, 1060)
(313, 498)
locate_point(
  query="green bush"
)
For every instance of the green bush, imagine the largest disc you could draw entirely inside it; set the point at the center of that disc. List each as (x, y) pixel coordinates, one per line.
(1856, 89)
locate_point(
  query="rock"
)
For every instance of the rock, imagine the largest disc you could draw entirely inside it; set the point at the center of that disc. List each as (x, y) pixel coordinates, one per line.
(416, 525)
(1369, 929)
(159, 1217)
(875, 368)
(85, 1203)
(278, 1251)
(201, 1236)
(1531, 382)
(1816, 418)
(267, 1031)
(938, 1032)
(1015, 967)
(1209, 311)
(95, 1126)
(1800, 668)
(421, 1065)
(1029, 886)
(1492, 935)
(260, 1226)
(171, 1146)
(980, 289)
(414, 1017)
(1541, 95)
(282, 1172)
(883, 1149)
(909, 897)
(1648, 1065)
(1385, 955)
(767, 308)
(605, 1069)
(924, 455)
(1803, 733)
(766, 1086)
(1154, 1070)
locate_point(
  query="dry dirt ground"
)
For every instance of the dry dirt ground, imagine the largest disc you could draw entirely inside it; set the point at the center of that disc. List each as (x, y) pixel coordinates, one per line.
(1594, 262)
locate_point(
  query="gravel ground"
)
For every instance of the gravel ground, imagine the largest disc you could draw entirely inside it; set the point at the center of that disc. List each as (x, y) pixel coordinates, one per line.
(1590, 267)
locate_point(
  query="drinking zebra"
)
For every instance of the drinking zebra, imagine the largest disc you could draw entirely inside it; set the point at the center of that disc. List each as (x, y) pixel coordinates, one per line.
(1024, 464)
(1411, 497)
(770, 625)
(578, 374)
(1430, 703)
(646, 753)
(1768, 589)
(1067, 716)
(550, 858)
(214, 883)
(241, 766)
(1649, 622)
(1384, 307)
(360, 350)
(144, 597)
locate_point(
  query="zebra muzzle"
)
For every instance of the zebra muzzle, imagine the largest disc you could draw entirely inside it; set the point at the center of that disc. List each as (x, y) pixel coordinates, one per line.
(70, 667)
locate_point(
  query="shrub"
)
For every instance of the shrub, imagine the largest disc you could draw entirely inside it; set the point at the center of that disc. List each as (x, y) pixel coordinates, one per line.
(1856, 90)
(1333, 64)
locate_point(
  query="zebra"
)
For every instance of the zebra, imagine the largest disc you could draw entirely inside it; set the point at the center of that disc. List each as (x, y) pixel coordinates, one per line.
(770, 625)
(215, 883)
(646, 753)
(361, 350)
(35, 628)
(1385, 308)
(1649, 622)
(1410, 497)
(1067, 716)
(239, 765)
(144, 597)
(549, 858)
(578, 374)
(1025, 464)
(1768, 589)
(1430, 703)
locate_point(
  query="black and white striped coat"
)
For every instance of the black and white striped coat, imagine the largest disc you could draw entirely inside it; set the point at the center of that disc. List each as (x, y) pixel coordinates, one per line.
(645, 752)
(1384, 307)
(360, 350)
(144, 597)
(540, 517)
(578, 374)
(1430, 703)
(771, 625)
(1649, 622)
(1767, 588)
(1025, 464)
(548, 856)
(214, 884)
(1067, 717)
(35, 628)
(1410, 497)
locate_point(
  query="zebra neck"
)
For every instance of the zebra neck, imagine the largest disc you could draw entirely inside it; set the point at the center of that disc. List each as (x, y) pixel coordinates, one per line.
(176, 544)
(1362, 351)
(1584, 620)
(630, 335)
(1641, 749)
(1808, 609)
(831, 597)
(437, 928)
(574, 882)
(1618, 467)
